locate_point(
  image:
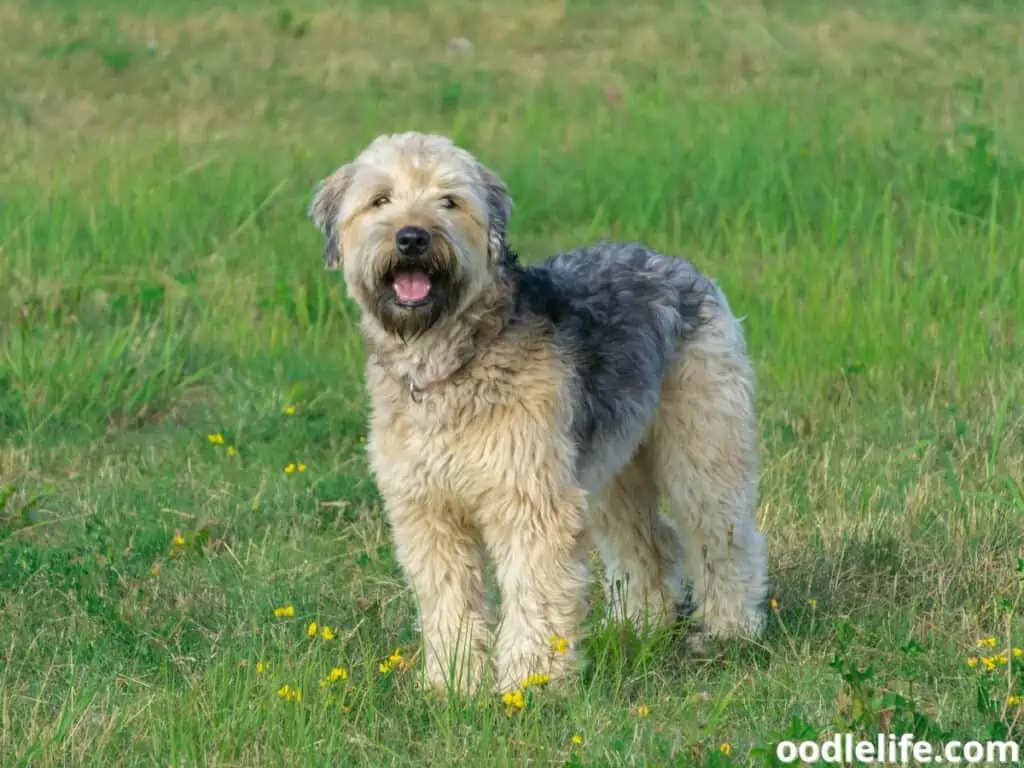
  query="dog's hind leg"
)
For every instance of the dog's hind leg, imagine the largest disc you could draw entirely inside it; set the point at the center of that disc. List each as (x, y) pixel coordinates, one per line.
(641, 550)
(704, 446)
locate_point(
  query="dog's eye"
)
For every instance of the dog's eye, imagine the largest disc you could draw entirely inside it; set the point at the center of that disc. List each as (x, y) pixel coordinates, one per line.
(447, 201)
(380, 200)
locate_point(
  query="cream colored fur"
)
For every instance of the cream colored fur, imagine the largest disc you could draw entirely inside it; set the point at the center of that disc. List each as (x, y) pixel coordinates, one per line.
(470, 443)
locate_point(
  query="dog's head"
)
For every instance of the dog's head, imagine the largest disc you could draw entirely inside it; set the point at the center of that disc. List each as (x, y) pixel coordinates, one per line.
(417, 225)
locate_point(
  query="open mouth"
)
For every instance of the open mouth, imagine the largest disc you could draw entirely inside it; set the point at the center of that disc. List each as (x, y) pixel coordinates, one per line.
(411, 287)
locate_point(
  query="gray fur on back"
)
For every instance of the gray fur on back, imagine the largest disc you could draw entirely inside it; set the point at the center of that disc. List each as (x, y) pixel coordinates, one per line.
(620, 313)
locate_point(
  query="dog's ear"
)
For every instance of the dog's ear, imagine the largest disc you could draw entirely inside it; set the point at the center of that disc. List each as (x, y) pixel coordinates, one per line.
(325, 208)
(499, 211)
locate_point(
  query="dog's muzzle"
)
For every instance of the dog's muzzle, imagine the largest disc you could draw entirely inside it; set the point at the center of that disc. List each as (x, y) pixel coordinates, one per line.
(411, 281)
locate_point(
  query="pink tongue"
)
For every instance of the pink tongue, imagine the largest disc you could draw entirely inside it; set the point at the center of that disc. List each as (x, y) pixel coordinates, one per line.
(412, 286)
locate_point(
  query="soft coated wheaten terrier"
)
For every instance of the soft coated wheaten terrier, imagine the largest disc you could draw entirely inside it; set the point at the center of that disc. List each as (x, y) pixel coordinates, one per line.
(522, 412)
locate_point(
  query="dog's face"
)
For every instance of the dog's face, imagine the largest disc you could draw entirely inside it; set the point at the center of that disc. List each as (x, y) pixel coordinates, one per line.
(417, 225)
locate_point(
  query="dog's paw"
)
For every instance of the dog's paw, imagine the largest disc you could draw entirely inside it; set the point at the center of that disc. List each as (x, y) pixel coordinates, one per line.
(464, 676)
(538, 668)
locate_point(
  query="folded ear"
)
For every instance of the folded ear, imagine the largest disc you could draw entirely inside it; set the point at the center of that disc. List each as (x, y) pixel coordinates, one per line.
(325, 208)
(499, 211)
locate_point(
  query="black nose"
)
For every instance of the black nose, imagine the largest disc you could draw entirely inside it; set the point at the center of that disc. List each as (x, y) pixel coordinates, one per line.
(412, 241)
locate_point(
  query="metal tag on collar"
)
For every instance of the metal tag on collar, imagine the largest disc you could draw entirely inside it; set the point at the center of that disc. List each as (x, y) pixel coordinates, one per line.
(415, 393)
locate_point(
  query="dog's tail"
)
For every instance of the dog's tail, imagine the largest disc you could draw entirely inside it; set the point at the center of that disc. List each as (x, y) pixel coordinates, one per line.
(697, 299)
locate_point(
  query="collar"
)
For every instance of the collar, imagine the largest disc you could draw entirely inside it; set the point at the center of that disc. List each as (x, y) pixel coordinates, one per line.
(418, 392)
(415, 393)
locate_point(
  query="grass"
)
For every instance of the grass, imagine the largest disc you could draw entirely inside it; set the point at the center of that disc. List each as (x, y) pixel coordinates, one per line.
(853, 178)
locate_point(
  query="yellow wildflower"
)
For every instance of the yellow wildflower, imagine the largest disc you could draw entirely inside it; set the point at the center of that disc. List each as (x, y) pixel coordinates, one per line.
(287, 611)
(232, 450)
(989, 663)
(178, 541)
(216, 438)
(326, 632)
(642, 711)
(811, 602)
(156, 570)
(559, 644)
(536, 679)
(972, 661)
(513, 701)
(1014, 701)
(338, 673)
(394, 660)
(311, 629)
(773, 604)
(988, 642)
(577, 739)
(289, 410)
(725, 749)
(1003, 659)
(397, 660)
(261, 667)
(288, 693)
(1018, 653)
(300, 467)
(289, 468)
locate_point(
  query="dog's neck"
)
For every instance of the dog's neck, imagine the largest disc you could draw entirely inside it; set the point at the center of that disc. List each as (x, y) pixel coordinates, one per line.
(442, 351)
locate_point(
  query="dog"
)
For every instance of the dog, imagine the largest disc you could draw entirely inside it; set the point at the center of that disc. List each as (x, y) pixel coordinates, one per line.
(530, 413)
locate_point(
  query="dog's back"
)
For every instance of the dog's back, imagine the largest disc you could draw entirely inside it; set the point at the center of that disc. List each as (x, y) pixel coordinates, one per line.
(620, 314)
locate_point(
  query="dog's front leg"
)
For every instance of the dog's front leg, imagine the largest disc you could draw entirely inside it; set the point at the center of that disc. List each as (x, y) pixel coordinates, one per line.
(540, 559)
(442, 555)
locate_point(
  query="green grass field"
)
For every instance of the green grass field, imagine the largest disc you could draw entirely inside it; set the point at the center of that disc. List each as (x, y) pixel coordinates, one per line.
(853, 178)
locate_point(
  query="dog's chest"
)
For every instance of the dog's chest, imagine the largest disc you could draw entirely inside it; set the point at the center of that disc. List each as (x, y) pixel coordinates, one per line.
(463, 443)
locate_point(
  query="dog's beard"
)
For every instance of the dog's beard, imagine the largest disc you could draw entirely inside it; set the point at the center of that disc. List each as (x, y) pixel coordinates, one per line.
(411, 294)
